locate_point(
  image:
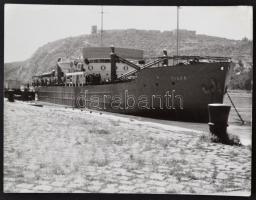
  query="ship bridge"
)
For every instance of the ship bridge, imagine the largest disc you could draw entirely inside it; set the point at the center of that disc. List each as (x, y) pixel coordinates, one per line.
(96, 60)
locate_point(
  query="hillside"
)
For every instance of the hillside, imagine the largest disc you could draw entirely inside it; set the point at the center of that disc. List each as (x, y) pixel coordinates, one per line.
(151, 41)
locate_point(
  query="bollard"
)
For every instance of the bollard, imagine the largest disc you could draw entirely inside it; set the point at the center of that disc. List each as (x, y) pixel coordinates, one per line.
(32, 96)
(36, 96)
(10, 96)
(218, 120)
(25, 95)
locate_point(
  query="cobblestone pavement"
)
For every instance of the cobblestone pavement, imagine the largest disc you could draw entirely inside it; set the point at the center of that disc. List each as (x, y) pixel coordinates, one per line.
(53, 149)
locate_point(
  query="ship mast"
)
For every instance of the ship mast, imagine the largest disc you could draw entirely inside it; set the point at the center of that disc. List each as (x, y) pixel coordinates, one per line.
(101, 31)
(177, 31)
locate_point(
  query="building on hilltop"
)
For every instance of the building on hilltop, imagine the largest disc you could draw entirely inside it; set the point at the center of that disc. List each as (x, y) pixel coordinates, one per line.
(94, 29)
(185, 33)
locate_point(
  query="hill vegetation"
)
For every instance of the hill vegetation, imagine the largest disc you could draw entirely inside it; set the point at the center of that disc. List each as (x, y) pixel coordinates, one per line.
(151, 41)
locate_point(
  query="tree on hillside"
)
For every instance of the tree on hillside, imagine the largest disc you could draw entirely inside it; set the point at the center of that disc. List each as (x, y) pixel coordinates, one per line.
(242, 80)
(245, 39)
(68, 47)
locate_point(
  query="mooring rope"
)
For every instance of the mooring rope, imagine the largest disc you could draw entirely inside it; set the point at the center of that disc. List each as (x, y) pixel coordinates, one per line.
(243, 122)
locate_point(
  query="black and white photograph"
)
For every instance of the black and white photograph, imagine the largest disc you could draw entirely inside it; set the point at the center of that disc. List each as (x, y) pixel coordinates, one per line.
(128, 99)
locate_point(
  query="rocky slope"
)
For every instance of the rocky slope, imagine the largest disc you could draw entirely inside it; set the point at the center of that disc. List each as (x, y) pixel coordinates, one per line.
(151, 41)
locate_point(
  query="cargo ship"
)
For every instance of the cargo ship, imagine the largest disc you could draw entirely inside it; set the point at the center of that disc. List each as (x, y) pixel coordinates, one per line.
(119, 80)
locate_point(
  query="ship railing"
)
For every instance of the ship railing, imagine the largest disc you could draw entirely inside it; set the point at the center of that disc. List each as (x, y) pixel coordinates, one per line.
(199, 58)
(46, 74)
(75, 73)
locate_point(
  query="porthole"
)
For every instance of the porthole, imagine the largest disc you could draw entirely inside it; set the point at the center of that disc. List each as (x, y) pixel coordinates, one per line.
(107, 74)
(90, 67)
(103, 67)
(125, 67)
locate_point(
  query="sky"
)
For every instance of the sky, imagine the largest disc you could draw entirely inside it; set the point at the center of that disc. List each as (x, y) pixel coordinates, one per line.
(27, 27)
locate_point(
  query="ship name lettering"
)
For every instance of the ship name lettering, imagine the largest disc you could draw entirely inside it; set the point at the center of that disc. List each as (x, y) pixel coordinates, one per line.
(178, 78)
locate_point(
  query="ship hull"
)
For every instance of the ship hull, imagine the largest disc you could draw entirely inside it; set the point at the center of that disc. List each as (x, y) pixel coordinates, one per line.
(180, 92)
